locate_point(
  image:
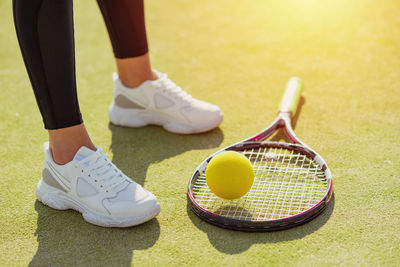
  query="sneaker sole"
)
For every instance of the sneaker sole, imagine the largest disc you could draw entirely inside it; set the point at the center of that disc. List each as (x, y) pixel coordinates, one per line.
(59, 200)
(139, 118)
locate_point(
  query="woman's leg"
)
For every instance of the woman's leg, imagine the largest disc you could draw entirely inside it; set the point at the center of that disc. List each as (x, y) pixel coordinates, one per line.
(46, 36)
(161, 102)
(126, 27)
(76, 174)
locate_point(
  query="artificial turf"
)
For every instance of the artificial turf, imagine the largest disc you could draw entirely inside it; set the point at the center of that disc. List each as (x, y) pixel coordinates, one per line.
(237, 54)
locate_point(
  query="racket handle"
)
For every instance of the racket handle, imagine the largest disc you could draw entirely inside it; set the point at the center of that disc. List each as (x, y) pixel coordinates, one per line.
(291, 98)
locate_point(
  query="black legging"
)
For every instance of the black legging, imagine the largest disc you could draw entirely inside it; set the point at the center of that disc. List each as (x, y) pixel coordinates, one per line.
(45, 33)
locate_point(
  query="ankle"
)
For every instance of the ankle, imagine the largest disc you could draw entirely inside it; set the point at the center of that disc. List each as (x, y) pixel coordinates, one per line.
(135, 70)
(62, 153)
(133, 80)
(65, 142)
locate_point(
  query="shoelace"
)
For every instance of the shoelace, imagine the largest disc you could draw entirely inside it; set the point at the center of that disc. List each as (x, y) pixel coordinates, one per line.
(174, 90)
(103, 170)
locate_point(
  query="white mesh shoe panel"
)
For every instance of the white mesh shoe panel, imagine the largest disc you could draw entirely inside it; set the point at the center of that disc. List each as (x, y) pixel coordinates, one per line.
(133, 192)
(84, 189)
(162, 101)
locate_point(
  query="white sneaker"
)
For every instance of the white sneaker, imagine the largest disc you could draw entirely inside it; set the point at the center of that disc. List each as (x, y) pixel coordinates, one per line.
(162, 102)
(94, 186)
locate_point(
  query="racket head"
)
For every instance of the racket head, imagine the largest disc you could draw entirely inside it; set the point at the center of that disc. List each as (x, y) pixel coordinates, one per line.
(292, 185)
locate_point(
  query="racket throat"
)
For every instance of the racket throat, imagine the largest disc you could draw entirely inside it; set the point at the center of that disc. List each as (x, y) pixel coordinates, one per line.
(285, 115)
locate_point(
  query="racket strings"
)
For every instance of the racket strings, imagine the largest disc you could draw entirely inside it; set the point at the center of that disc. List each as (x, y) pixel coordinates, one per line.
(286, 183)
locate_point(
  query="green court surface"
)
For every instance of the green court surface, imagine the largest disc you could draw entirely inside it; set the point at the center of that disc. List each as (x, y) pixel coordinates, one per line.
(239, 55)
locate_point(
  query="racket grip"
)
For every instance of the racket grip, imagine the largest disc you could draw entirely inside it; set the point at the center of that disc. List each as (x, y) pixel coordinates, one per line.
(291, 98)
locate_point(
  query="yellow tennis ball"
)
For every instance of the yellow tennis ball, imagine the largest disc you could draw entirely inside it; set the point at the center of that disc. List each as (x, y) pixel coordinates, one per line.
(229, 175)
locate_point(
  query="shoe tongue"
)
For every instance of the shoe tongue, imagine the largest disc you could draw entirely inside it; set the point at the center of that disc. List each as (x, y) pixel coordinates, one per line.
(160, 75)
(157, 73)
(82, 153)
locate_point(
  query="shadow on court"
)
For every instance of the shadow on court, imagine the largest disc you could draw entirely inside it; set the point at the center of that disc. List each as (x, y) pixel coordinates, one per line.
(135, 150)
(234, 242)
(65, 239)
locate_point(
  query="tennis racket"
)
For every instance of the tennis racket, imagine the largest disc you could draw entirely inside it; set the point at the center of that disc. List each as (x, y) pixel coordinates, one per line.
(292, 183)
